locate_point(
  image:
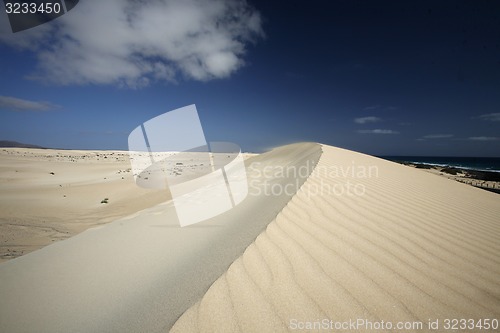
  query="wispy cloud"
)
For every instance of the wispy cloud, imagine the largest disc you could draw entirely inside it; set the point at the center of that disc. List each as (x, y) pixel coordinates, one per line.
(372, 107)
(490, 117)
(437, 136)
(483, 138)
(366, 120)
(378, 131)
(17, 104)
(132, 43)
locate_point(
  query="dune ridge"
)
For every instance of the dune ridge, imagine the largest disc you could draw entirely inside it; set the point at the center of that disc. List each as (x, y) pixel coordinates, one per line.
(414, 247)
(139, 273)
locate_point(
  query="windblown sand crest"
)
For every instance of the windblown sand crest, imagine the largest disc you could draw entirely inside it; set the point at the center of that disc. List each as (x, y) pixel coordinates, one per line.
(141, 272)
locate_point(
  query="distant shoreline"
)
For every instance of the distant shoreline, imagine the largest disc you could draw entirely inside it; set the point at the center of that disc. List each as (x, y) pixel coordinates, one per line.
(486, 164)
(486, 180)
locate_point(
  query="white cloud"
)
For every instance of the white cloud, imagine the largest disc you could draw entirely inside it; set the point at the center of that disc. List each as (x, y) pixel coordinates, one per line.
(490, 117)
(483, 138)
(17, 104)
(437, 136)
(365, 120)
(378, 131)
(132, 43)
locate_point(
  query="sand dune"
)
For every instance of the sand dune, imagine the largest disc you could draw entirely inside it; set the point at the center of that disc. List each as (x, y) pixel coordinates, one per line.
(361, 239)
(405, 248)
(141, 272)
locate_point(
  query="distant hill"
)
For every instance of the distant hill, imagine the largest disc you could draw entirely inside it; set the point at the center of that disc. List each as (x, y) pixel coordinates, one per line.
(14, 144)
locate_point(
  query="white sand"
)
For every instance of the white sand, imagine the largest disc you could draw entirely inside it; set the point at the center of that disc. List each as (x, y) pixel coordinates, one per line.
(139, 273)
(406, 245)
(414, 247)
(39, 208)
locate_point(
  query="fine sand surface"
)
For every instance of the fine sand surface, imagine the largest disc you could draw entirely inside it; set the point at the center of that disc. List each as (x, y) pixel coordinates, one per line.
(141, 272)
(362, 239)
(408, 246)
(48, 195)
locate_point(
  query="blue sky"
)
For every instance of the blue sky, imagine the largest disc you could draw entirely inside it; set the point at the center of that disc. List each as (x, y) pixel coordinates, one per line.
(380, 77)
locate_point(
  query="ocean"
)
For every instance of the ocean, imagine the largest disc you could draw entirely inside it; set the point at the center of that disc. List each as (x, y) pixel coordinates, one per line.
(472, 163)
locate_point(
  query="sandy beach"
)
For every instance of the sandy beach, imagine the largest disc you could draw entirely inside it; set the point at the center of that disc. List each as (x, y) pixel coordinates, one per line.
(325, 237)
